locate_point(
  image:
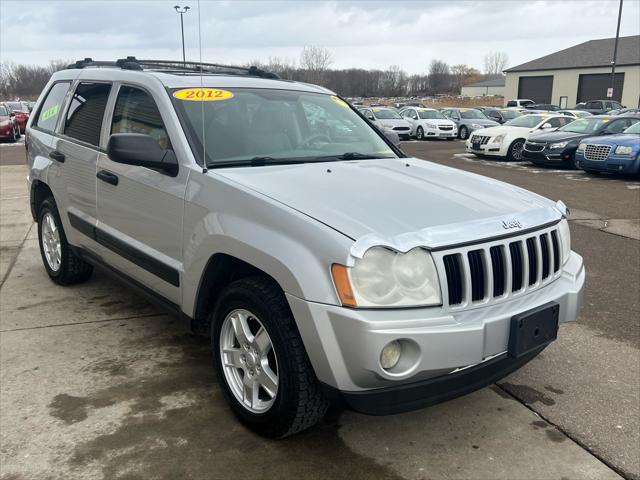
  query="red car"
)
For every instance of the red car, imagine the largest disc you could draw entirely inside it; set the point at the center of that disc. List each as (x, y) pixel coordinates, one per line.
(8, 126)
(21, 110)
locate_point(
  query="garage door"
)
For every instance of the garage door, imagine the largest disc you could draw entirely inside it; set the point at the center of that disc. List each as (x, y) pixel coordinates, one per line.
(537, 89)
(594, 86)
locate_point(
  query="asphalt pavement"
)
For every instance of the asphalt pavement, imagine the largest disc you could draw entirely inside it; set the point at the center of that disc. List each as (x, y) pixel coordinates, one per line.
(97, 383)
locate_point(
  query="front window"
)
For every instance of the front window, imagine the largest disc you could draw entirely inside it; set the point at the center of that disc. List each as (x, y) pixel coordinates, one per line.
(471, 114)
(526, 121)
(243, 125)
(431, 115)
(3, 111)
(633, 129)
(585, 125)
(384, 114)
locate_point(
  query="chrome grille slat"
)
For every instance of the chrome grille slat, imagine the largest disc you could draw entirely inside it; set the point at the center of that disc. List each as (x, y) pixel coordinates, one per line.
(482, 139)
(497, 270)
(596, 152)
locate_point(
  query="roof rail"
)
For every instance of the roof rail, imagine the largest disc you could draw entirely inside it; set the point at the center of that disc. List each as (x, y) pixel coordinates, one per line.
(174, 66)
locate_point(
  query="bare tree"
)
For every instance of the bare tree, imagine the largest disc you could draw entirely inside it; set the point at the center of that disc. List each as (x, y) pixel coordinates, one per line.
(316, 61)
(463, 74)
(439, 76)
(26, 81)
(495, 63)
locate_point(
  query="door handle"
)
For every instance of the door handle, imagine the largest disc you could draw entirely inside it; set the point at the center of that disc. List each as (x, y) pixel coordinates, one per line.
(108, 177)
(57, 156)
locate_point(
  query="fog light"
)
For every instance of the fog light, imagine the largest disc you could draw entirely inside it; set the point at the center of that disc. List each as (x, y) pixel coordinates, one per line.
(390, 355)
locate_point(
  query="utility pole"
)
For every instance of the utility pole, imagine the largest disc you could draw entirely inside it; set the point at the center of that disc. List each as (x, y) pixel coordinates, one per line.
(182, 11)
(615, 51)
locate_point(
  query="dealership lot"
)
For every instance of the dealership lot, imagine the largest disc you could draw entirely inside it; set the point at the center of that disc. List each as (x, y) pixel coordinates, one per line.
(99, 384)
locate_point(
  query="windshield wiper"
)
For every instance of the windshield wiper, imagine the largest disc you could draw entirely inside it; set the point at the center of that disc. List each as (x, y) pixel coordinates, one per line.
(357, 156)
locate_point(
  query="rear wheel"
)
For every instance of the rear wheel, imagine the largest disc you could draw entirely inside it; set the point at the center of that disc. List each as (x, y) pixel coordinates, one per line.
(463, 133)
(63, 266)
(419, 133)
(261, 362)
(515, 150)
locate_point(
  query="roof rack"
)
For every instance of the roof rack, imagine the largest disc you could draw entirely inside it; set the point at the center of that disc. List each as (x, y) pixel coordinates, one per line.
(174, 66)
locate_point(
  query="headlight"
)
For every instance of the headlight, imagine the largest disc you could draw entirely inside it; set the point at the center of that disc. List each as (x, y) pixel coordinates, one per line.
(565, 239)
(430, 125)
(384, 278)
(559, 145)
(475, 125)
(623, 150)
(582, 146)
(499, 138)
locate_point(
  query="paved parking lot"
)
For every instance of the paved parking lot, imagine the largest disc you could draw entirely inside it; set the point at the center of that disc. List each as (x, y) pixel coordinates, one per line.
(96, 383)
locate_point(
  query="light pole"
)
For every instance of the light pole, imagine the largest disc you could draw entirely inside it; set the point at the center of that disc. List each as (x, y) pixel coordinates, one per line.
(182, 11)
(615, 51)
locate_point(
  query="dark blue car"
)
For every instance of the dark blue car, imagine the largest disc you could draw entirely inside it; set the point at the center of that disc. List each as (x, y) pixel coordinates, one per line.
(614, 154)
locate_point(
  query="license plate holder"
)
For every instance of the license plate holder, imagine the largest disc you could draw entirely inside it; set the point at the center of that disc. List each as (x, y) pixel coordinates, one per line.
(533, 329)
(475, 145)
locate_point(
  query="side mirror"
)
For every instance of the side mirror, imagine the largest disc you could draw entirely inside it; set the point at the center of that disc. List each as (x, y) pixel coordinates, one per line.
(142, 151)
(547, 126)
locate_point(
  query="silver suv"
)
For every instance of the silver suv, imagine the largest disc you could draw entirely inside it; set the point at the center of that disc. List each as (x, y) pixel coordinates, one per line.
(325, 265)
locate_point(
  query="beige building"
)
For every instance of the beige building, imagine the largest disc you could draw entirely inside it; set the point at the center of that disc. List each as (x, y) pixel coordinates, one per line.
(494, 86)
(578, 74)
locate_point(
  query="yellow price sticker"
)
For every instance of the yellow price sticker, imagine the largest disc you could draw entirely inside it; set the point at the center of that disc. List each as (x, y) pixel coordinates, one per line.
(339, 101)
(203, 94)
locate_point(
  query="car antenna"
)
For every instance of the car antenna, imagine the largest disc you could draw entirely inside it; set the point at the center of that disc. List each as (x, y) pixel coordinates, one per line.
(204, 143)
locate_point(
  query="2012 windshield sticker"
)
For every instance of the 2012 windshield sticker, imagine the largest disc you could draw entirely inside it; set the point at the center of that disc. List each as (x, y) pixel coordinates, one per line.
(50, 112)
(203, 94)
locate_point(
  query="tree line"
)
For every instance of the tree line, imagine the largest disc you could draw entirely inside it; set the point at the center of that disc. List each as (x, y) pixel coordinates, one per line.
(313, 66)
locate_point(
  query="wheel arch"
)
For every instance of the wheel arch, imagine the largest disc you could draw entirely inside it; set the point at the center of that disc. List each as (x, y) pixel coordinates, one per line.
(39, 191)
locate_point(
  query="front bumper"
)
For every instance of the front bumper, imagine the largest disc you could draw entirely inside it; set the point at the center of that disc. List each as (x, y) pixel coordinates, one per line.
(550, 157)
(498, 150)
(438, 133)
(613, 164)
(344, 344)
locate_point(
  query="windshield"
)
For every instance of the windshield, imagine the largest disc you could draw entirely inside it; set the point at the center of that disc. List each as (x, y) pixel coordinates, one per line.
(585, 125)
(511, 114)
(430, 114)
(384, 114)
(472, 114)
(16, 106)
(246, 125)
(526, 121)
(635, 128)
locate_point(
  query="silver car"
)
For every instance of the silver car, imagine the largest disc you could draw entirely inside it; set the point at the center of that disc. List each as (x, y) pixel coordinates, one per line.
(388, 118)
(324, 264)
(468, 120)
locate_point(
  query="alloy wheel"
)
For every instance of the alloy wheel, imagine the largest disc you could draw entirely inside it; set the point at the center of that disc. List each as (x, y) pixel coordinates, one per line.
(51, 242)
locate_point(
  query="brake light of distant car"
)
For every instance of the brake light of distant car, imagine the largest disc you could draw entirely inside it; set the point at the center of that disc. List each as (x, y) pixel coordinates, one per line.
(559, 145)
(622, 150)
(565, 239)
(386, 278)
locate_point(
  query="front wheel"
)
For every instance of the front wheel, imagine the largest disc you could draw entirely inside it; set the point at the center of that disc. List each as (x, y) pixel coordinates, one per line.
(261, 362)
(420, 133)
(515, 150)
(463, 133)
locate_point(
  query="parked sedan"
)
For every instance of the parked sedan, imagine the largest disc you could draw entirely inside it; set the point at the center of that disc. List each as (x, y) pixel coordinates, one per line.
(615, 154)
(429, 123)
(507, 141)
(558, 148)
(625, 111)
(388, 118)
(21, 111)
(8, 125)
(575, 113)
(468, 120)
(545, 107)
(501, 115)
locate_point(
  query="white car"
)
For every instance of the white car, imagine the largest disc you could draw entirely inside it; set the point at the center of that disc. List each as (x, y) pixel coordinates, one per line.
(575, 113)
(388, 118)
(429, 123)
(507, 141)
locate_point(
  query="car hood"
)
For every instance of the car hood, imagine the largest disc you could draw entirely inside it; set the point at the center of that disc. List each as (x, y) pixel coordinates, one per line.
(438, 121)
(503, 129)
(401, 203)
(479, 121)
(390, 123)
(556, 136)
(613, 140)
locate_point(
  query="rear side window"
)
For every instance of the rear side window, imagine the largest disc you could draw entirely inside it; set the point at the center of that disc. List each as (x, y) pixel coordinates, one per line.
(511, 103)
(84, 117)
(136, 112)
(50, 110)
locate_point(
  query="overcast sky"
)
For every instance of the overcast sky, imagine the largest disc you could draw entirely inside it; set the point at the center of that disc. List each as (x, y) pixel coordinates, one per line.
(361, 34)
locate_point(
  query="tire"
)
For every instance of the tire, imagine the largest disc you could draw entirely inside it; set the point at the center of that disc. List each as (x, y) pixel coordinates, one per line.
(514, 154)
(69, 269)
(14, 137)
(419, 133)
(298, 402)
(463, 133)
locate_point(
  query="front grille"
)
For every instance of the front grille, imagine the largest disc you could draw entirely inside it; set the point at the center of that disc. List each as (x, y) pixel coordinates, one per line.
(499, 269)
(481, 139)
(401, 129)
(447, 128)
(597, 152)
(534, 147)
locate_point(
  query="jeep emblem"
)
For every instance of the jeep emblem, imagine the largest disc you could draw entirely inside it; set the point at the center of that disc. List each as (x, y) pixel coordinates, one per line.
(509, 224)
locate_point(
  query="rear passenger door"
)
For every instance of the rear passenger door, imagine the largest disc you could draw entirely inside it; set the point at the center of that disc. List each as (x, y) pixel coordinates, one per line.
(140, 213)
(75, 151)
